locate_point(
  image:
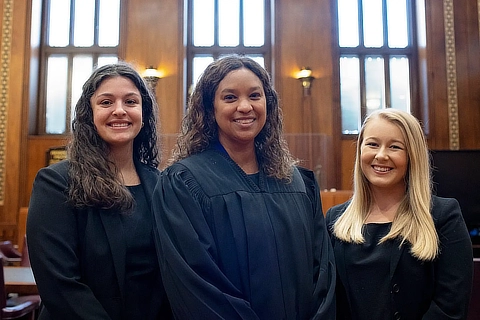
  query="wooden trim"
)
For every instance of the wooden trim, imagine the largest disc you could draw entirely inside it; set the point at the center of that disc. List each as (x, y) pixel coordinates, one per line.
(6, 50)
(451, 75)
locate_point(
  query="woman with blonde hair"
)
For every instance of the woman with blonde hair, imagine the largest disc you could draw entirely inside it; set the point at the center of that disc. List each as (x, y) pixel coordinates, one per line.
(400, 251)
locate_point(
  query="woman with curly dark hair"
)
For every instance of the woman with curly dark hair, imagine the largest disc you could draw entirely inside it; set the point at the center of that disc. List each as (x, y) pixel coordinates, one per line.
(90, 236)
(241, 227)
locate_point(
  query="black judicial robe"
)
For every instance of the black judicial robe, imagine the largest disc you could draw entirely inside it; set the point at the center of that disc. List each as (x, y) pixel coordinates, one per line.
(234, 249)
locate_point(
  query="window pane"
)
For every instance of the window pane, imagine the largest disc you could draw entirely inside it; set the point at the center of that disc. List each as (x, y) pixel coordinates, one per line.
(109, 26)
(84, 23)
(350, 94)
(400, 83)
(253, 23)
(59, 23)
(82, 68)
(348, 23)
(372, 23)
(106, 59)
(397, 23)
(374, 83)
(57, 71)
(203, 23)
(199, 65)
(228, 23)
(259, 59)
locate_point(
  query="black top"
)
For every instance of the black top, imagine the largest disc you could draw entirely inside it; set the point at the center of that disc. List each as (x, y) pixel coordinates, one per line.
(142, 276)
(427, 290)
(239, 247)
(78, 255)
(369, 265)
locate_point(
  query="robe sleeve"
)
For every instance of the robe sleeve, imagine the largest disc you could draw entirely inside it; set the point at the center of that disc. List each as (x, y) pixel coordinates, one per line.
(195, 285)
(325, 269)
(454, 265)
(53, 249)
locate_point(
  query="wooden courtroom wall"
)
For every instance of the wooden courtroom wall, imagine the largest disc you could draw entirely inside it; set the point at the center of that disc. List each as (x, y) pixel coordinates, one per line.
(152, 34)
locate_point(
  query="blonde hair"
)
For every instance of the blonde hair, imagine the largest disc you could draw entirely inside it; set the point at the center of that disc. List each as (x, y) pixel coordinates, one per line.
(413, 222)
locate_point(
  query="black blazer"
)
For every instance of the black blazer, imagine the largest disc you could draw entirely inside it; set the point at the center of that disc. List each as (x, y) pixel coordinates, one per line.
(441, 290)
(77, 256)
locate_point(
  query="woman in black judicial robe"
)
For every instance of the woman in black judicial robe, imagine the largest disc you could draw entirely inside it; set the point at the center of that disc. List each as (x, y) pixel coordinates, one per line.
(241, 226)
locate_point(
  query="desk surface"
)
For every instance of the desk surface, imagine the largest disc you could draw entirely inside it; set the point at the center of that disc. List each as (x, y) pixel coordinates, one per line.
(19, 280)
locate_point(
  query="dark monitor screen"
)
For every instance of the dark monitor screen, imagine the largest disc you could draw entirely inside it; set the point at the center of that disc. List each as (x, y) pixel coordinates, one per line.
(456, 174)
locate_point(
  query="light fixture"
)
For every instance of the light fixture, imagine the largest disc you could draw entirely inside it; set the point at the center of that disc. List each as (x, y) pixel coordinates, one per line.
(151, 76)
(305, 76)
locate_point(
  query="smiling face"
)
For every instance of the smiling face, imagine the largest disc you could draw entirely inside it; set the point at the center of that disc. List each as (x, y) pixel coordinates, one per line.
(383, 155)
(117, 111)
(240, 108)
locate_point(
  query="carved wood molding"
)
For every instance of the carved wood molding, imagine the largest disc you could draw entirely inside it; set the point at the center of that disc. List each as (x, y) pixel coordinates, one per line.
(452, 97)
(6, 48)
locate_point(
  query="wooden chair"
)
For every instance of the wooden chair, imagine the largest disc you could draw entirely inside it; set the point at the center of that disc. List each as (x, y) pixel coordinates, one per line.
(22, 307)
(25, 259)
(11, 256)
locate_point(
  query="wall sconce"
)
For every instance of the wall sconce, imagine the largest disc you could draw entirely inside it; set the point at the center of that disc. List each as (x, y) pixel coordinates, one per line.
(151, 76)
(305, 76)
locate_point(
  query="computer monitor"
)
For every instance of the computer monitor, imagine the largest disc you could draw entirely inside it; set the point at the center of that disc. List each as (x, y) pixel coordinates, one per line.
(456, 174)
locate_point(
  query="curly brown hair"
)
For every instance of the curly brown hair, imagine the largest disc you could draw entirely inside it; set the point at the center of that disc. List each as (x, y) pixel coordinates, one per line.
(93, 177)
(199, 129)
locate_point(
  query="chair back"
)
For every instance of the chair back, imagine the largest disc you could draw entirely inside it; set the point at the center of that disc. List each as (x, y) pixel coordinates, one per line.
(25, 260)
(3, 295)
(11, 256)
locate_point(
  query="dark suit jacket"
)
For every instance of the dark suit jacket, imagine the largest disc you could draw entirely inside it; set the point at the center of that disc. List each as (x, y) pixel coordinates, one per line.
(430, 290)
(77, 255)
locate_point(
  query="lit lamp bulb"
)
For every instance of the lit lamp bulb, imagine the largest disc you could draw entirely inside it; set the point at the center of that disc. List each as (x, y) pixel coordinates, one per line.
(151, 76)
(305, 76)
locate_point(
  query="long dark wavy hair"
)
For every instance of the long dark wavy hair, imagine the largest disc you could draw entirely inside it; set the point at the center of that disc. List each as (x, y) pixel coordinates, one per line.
(199, 128)
(93, 177)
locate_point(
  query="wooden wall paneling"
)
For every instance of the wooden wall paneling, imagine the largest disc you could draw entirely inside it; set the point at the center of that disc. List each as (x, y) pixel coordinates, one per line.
(37, 148)
(167, 143)
(155, 37)
(8, 129)
(315, 153)
(453, 73)
(303, 38)
(332, 198)
(348, 149)
(437, 75)
(13, 61)
(288, 60)
(468, 72)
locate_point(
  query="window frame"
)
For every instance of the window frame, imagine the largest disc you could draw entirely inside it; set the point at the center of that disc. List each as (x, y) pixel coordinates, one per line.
(70, 51)
(216, 50)
(361, 52)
